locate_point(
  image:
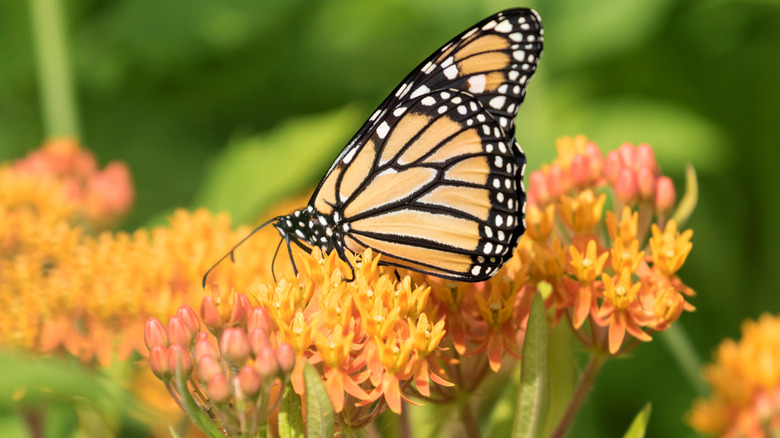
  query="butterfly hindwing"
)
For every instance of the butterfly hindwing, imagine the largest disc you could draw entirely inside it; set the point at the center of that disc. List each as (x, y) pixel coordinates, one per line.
(439, 190)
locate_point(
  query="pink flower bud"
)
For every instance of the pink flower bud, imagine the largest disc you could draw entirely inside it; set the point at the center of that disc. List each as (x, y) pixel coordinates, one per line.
(210, 314)
(158, 362)
(627, 152)
(557, 181)
(189, 318)
(285, 356)
(665, 196)
(204, 347)
(258, 340)
(249, 381)
(645, 157)
(259, 319)
(179, 358)
(580, 171)
(241, 307)
(537, 189)
(208, 367)
(235, 346)
(154, 333)
(178, 333)
(625, 187)
(645, 180)
(595, 159)
(266, 364)
(612, 167)
(218, 389)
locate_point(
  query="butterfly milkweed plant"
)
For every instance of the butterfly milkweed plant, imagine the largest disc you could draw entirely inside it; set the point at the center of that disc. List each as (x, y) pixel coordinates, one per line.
(320, 353)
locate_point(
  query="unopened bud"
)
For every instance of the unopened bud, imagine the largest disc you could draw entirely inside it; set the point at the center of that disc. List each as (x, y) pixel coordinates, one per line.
(218, 389)
(579, 170)
(249, 381)
(625, 187)
(240, 312)
(645, 181)
(179, 358)
(537, 189)
(627, 153)
(178, 333)
(209, 313)
(259, 319)
(645, 157)
(664, 195)
(595, 160)
(612, 167)
(266, 364)
(203, 347)
(235, 346)
(154, 333)
(189, 318)
(258, 340)
(285, 356)
(557, 181)
(208, 367)
(158, 362)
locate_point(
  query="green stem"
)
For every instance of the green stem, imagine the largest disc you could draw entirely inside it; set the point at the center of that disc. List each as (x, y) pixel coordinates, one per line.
(58, 102)
(679, 344)
(468, 420)
(583, 387)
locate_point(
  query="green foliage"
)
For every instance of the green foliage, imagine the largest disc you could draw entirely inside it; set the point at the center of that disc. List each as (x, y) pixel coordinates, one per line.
(319, 410)
(532, 402)
(290, 414)
(639, 425)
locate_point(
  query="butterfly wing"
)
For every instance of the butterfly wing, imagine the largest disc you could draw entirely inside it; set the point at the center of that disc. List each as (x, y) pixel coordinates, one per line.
(433, 180)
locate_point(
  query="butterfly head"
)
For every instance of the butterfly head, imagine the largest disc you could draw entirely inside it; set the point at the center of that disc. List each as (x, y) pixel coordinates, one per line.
(311, 227)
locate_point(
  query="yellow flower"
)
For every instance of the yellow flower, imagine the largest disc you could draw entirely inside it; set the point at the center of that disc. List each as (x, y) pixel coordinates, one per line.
(745, 380)
(670, 248)
(626, 255)
(568, 147)
(583, 212)
(539, 223)
(624, 230)
(588, 266)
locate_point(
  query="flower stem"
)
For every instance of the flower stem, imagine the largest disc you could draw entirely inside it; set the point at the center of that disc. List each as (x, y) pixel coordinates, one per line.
(583, 387)
(58, 102)
(469, 421)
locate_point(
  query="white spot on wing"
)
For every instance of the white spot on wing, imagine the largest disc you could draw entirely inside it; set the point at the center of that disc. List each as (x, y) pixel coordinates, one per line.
(477, 83)
(428, 101)
(422, 89)
(519, 55)
(382, 130)
(504, 27)
(451, 72)
(497, 102)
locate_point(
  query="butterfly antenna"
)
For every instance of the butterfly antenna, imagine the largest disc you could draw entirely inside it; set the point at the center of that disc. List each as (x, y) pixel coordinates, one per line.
(273, 261)
(233, 250)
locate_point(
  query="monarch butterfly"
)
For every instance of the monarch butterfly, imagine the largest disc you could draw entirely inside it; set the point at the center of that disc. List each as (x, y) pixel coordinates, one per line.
(434, 179)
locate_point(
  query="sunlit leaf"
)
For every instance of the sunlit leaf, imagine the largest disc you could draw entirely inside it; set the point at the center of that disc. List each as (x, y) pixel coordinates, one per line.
(639, 425)
(319, 410)
(290, 414)
(533, 399)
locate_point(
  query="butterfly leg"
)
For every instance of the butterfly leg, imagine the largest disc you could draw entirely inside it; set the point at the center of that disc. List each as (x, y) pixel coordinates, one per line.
(397, 275)
(273, 261)
(343, 256)
(289, 251)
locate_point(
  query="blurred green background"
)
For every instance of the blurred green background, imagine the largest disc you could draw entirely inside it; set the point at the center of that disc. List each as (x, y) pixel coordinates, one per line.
(238, 104)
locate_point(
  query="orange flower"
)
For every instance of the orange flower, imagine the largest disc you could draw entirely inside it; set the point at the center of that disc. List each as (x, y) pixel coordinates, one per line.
(745, 380)
(670, 248)
(583, 212)
(618, 309)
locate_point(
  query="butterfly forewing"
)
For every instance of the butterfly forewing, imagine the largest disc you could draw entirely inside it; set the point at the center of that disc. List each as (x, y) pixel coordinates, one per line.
(433, 180)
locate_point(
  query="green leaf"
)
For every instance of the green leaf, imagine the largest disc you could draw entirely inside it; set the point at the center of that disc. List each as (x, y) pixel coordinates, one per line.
(639, 425)
(319, 410)
(290, 414)
(562, 375)
(254, 172)
(534, 380)
(192, 409)
(689, 199)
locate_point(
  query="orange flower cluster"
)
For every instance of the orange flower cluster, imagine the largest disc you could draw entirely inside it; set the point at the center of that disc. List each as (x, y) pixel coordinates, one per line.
(613, 278)
(745, 380)
(101, 196)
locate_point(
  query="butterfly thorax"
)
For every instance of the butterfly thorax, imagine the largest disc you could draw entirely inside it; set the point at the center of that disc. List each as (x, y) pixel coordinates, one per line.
(311, 227)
